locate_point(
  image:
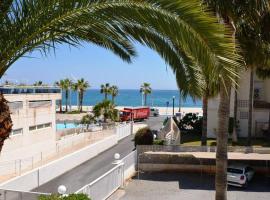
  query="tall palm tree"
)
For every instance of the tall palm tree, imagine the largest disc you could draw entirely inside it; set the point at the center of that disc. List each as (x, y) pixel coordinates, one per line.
(114, 92)
(145, 89)
(106, 90)
(67, 87)
(61, 84)
(74, 88)
(29, 25)
(82, 86)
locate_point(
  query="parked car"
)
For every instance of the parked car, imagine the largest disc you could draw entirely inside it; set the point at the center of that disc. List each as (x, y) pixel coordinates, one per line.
(239, 175)
(154, 112)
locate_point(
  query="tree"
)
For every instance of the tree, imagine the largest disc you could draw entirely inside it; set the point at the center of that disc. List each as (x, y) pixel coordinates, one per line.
(114, 92)
(61, 84)
(5, 120)
(145, 90)
(38, 83)
(106, 90)
(87, 120)
(38, 25)
(67, 87)
(107, 110)
(81, 86)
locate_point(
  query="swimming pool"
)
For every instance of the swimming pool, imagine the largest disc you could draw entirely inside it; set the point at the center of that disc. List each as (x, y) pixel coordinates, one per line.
(60, 126)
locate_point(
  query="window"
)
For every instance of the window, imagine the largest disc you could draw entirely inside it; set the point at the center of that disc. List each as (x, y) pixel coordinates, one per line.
(243, 103)
(15, 105)
(40, 126)
(32, 128)
(16, 132)
(43, 103)
(235, 171)
(243, 115)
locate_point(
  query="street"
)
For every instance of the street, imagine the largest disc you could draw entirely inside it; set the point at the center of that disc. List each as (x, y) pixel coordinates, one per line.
(88, 171)
(92, 169)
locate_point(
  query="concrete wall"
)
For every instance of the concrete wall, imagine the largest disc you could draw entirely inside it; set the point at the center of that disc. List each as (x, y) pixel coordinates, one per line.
(34, 178)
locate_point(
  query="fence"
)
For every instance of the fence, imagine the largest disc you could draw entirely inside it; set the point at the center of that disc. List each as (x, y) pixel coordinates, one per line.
(108, 183)
(123, 130)
(19, 195)
(164, 148)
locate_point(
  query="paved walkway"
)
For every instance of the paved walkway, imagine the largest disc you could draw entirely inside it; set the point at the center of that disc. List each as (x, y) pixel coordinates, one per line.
(177, 186)
(90, 170)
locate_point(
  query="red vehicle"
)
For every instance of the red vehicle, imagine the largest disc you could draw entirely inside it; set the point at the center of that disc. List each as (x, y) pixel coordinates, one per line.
(137, 113)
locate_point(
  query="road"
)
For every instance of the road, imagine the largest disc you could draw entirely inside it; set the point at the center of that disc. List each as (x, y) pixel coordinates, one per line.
(95, 167)
(90, 170)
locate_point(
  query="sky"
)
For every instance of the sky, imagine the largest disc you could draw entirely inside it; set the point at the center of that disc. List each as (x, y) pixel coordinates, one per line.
(96, 65)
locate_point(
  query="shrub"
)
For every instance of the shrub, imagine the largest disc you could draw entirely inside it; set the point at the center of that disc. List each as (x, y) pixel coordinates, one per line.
(191, 122)
(144, 136)
(158, 142)
(69, 197)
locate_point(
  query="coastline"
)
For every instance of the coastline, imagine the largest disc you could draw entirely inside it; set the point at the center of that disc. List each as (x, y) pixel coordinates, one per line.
(162, 110)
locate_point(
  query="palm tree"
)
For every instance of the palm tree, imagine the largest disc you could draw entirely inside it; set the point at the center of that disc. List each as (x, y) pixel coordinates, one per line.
(74, 88)
(145, 90)
(81, 86)
(38, 83)
(29, 25)
(114, 92)
(61, 84)
(87, 120)
(67, 88)
(106, 90)
(5, 120)
(245, 20)
(107, 110)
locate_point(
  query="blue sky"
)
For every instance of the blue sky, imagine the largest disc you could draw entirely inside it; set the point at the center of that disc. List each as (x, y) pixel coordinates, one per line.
(96, 65)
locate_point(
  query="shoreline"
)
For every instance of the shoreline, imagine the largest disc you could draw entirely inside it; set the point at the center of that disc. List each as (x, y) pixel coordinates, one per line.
(162, 110)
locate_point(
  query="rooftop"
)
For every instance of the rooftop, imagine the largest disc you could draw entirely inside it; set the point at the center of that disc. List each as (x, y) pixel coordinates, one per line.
(29, 89)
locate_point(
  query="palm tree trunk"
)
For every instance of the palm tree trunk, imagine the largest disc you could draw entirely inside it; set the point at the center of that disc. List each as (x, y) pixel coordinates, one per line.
(60, 105)
(250, 105)
(145, 99)
(112, 99)
(234, 133)
(5, 121)
(106, 96)
(222, 140)
(81, 100)
(66, 100)
(78, 99)
(205, 113)
(269, 124)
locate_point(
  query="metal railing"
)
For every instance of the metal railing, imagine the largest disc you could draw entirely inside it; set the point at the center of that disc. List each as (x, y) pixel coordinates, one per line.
(104, 186)
(108, 183)
(19, 195)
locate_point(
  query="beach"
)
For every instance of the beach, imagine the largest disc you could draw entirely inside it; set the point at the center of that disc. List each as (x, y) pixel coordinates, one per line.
(162, 110)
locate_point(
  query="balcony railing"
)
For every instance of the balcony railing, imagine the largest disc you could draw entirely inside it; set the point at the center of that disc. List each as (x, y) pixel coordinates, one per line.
(29, 90)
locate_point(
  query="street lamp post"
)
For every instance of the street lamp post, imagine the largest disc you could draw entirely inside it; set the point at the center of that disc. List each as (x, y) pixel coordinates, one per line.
(173, 104)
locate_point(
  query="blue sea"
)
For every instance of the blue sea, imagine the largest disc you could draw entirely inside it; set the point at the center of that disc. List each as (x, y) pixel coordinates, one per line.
(128, 97)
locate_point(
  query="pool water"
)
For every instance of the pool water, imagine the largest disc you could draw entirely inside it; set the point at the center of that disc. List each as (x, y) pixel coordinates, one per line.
(60, 126)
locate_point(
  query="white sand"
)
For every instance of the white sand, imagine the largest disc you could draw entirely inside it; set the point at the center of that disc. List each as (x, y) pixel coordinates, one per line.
(162, 110)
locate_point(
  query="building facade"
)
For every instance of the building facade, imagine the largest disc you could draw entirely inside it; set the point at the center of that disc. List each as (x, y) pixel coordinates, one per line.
(33, 112)
(261, 107)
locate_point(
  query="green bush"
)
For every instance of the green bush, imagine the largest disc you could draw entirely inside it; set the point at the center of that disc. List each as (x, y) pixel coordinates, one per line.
(191, 122)
(144, 136)
(158, 142)
(69, 197)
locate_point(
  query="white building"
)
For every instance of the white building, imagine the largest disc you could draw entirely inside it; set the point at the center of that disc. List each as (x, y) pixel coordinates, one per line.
(33, 115)
(261, 107)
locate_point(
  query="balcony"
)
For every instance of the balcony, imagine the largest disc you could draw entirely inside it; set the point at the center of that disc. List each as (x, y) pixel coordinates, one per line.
(261, 104)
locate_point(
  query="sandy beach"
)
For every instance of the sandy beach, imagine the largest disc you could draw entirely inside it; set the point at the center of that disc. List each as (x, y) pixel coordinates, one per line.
(162, 110)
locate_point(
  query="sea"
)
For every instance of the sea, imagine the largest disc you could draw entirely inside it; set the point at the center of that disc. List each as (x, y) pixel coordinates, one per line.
(132, 97)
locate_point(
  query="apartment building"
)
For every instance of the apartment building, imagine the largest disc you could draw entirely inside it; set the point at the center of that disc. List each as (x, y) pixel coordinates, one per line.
(261, 107)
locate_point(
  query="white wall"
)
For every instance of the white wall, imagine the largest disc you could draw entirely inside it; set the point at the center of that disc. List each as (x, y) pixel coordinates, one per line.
(39, 176)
